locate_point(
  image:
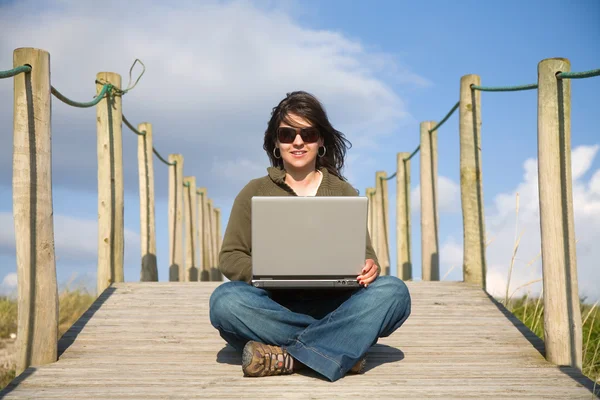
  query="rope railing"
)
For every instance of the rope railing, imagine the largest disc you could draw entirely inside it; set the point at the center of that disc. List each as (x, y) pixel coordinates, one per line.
(504, 88)
(128, 124)
(105, 89)
(389, 177)
(142, 133)
(15, 71)
(454, 108)
(162, 159)
(556, 212)
(435, 128)
(413, 153)
(579, 75)
(33, 98)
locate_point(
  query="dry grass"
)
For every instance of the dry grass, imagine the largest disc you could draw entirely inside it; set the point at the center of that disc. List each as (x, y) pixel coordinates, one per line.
(8, 317)
(72, 304)
(531, 312)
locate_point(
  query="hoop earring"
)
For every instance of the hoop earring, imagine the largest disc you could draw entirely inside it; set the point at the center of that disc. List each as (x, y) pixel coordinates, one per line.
(275, 153)
(324, 151)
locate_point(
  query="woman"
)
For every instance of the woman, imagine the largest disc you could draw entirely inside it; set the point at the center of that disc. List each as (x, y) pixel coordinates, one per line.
(280, 332)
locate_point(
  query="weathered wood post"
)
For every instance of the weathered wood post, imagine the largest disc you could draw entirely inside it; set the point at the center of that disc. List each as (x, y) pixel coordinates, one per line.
(149, 272)
(370, 193)
(214, 271)
(202, 234)
(111, 230)
(191, 238)
(471, 185)
(375, 222)
(176, 272)
(210, 242)
(404, 263)
(383, 252)
(429, 209)
(219, 240)
(562, 316)
(37, 327)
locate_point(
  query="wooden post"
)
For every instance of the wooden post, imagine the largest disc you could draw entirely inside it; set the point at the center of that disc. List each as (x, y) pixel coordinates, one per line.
(471, 186)
(404, 263)
(111, 230)
(562, 316)
(370, 193)
(210, 219)
(214, 271)
(383, 251)
(149, 272)
(176, 272)
(37, 326)
(375, 222)
(429, 209)
(191, 238)
(218, 241)
(202, 235)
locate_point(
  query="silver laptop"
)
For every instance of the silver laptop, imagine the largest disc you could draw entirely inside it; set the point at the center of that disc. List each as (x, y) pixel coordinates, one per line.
(308, 242)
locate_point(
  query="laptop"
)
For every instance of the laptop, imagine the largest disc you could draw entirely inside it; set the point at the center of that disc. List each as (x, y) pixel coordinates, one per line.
(308, 242)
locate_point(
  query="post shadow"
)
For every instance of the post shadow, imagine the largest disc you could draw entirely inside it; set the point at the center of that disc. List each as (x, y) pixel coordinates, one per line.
(149, 270)
(174, 273)
(539, 345)
(70, 335)
(215, 275)
(204, 276)
(193, 274)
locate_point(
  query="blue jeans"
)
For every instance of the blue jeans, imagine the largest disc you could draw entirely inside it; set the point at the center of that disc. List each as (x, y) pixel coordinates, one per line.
(328, 331)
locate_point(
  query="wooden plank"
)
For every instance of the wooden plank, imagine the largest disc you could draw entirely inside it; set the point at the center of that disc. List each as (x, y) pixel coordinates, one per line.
(127, 346)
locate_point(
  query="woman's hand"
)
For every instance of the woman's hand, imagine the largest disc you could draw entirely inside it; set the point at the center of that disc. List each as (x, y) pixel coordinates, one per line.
(369, 273)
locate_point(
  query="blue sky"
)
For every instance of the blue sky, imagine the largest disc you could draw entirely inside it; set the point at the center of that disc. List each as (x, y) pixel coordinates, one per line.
(215, 70)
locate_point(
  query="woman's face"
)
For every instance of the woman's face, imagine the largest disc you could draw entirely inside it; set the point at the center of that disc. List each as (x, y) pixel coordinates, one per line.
(304, 142)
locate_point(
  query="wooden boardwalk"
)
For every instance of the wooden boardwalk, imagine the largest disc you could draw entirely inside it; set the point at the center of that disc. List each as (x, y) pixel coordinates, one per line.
(155, 341)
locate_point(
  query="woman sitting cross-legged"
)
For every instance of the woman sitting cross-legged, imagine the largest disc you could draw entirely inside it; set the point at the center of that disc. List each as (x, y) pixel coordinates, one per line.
(282, 331)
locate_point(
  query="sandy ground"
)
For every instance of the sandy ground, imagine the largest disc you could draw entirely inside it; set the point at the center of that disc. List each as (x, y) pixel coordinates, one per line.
(8, 349)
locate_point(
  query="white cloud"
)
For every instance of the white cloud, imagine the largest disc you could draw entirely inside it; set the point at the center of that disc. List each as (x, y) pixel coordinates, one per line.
(9, 284)
(501, 226)
(214, 72)
(451, 260)
(10, 280)
(75, 239)
(448, 196)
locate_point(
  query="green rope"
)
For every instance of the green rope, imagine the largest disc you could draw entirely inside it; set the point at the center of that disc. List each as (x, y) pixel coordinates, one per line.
(388, 178)
(139, 77)
(504, 88)
(70, 102)
(143, 133)
(435, 128)
(413, 153)
(162, 159)
(15, 71)
(579, 75)
(120, 92)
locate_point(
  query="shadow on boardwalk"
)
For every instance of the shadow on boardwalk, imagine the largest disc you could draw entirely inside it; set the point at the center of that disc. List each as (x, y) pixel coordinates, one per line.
(385, 354)
(539, 345)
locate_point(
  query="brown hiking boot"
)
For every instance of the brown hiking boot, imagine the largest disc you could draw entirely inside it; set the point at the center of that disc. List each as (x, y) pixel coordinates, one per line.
(260, 359)
(359, 367)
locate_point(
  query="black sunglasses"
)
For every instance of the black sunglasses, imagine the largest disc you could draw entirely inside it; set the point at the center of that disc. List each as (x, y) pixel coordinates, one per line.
(288, 135)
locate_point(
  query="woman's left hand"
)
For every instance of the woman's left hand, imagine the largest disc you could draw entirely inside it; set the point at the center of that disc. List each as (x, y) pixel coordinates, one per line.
(369, 273)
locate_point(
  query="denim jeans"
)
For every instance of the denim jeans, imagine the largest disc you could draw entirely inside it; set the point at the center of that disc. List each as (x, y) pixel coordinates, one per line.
(327, 330)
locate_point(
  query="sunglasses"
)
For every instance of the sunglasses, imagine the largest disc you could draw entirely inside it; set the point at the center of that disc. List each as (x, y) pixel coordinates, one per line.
(288, 135)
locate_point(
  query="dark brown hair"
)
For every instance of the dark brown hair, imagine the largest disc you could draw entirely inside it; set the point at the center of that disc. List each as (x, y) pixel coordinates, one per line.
(307, 106)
